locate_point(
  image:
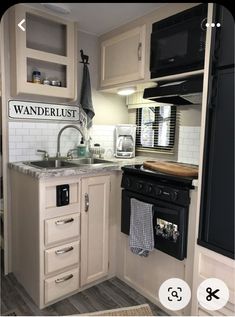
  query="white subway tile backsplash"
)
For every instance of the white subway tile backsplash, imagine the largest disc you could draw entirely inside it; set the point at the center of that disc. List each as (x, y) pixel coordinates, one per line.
(11, 132)
(189, 144)
(21, 131)
(26, 137)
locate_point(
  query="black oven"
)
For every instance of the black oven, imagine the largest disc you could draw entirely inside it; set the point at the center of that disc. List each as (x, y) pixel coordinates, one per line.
(170, 205)
(178, 42)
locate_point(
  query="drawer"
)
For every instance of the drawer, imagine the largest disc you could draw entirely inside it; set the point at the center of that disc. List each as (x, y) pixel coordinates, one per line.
(61, 257)
(62, 228)
(61, 285)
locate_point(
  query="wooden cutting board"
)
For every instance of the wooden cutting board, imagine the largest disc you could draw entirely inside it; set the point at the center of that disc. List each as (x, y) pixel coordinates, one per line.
(171, 168)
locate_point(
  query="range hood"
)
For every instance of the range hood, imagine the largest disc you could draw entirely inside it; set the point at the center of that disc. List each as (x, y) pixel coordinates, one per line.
(184, 92)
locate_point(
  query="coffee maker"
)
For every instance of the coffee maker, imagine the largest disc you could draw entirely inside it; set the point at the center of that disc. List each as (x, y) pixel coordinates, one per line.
(125, 140)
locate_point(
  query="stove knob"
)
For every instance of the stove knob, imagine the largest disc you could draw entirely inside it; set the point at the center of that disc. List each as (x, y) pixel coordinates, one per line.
(150, 189)
(139, 186)
(174, 195)
(158, 191)
(128, 182)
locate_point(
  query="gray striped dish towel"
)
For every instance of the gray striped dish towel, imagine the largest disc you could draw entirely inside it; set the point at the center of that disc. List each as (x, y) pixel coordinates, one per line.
(141, 239)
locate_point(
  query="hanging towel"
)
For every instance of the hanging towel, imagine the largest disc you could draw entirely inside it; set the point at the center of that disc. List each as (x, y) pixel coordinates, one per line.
(141, 239)
(86, 99)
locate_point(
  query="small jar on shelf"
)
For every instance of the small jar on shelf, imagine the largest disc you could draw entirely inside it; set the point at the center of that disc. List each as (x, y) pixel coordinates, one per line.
(36, 77)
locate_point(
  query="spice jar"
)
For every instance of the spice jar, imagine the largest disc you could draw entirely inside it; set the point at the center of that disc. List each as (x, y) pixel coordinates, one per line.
(36, 77)
(46, 81)
(56, 83)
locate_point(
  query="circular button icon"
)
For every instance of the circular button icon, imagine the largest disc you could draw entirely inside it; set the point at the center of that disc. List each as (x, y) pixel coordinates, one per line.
(174, 294)
(212, 294)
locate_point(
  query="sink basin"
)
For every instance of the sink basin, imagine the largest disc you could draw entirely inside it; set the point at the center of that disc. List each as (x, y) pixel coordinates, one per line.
(50, 164)
(89, 161)
(62, 163)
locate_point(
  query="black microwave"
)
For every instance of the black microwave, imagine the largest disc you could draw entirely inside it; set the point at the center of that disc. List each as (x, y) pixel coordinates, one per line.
(178, 42)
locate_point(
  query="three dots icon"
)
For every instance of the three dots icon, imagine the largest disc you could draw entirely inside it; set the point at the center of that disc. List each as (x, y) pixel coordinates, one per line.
(218, 25)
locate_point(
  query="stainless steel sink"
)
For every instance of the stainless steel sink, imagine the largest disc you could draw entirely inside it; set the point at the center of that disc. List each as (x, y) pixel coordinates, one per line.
(50, 164)
(89, 161)
(62, 163)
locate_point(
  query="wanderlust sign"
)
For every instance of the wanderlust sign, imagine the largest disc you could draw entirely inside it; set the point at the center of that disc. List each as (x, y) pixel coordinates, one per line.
(42, 111)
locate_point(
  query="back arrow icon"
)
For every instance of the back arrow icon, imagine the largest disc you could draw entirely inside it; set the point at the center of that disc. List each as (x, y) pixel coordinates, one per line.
(20, 25)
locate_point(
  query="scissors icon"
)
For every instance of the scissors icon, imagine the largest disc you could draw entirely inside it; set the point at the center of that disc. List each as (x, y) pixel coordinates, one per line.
(211, 294)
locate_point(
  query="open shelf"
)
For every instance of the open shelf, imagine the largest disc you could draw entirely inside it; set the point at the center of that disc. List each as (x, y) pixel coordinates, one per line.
(49, 30)
(52, 71)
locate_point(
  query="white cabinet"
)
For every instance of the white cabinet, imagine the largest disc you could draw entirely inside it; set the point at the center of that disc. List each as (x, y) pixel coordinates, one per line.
(94, 228)
(123, 57)
(45, 237)
(47, 45)
(209, 264)
(58, 249)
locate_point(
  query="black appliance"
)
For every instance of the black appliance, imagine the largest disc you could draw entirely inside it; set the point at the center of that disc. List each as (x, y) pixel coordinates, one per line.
(169, 196)
(178, 42)
(183, 92)
(216, 229)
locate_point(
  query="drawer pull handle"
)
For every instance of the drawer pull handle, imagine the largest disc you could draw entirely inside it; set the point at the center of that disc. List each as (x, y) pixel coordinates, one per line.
(63, 279)
(62, 251)
(62, 222)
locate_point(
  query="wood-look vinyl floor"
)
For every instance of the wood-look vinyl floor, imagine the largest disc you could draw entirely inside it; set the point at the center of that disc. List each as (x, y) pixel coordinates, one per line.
(110, 294)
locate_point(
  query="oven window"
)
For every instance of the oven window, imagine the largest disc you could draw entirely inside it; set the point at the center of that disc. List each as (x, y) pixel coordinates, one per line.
(156, 128)
(167, 230)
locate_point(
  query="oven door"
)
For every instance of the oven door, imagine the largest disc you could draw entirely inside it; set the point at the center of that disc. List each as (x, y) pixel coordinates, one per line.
(178, 48)
(170, 223)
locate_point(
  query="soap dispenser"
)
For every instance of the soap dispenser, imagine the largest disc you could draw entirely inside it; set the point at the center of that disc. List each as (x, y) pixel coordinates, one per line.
(81, 148)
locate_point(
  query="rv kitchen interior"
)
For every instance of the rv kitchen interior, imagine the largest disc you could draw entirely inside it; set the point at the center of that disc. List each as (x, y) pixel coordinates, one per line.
(117, 159)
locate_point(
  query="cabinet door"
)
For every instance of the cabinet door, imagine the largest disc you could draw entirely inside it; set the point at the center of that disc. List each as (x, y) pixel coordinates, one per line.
(225, 36)
(94, 228)
(122, 57)
(217, 209)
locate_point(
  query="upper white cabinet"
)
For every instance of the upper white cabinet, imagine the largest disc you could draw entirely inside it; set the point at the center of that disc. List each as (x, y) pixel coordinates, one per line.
(123, 57)
(47, 45)
(94, 228)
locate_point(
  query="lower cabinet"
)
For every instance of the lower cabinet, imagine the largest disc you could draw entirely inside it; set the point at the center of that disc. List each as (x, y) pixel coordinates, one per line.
(58, 249)
(94, 228)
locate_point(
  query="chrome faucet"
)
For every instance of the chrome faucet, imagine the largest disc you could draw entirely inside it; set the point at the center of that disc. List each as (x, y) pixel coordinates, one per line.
(59, 135)
(45, 154)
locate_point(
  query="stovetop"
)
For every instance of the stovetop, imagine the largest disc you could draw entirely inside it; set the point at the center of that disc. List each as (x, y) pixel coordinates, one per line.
(140, 171)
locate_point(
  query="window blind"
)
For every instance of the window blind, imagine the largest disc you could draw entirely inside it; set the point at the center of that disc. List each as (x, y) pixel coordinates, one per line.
(156, 127)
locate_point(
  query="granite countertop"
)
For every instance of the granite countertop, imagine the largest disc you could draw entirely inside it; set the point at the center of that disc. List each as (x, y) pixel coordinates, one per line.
(84, 170)
(72, 171)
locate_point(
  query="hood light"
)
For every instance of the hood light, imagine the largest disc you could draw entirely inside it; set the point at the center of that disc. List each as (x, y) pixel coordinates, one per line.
(126, 91)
